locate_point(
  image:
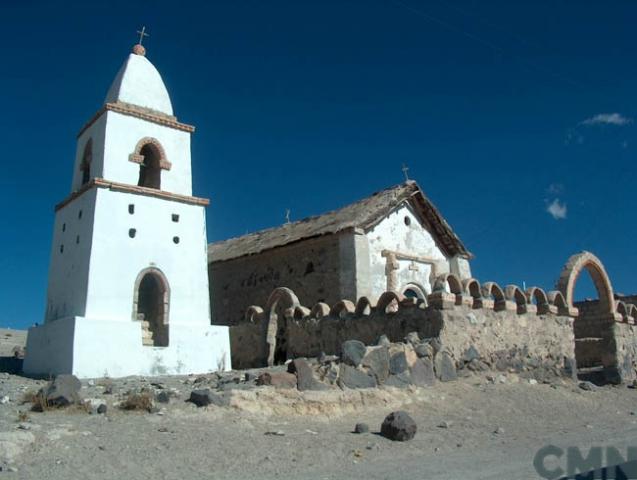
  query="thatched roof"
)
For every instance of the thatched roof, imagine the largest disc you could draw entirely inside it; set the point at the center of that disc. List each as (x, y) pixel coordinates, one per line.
(364, 214)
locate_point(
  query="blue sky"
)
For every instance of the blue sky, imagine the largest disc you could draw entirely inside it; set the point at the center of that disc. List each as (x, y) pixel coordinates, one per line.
(516, 118)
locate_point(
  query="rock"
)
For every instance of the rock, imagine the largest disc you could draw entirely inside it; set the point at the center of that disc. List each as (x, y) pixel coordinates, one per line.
(204, 397)
(350, 377)
(502, 379)
(402, 380)
(4, 400)
(532, 381)
(361, 428)
(477, 366)
(471, 354)
(436, 344)
(587, 386)
(499, 431)
(275, 433)
(445, 367)
(277, 379)
(249, 377)
(424, 350)
(91, 383)
(64, 390)
(398, 363)
(422, 373)
(445, 424)
(383, 341)
(353, 352)
(377, 361)
(93, 405)
(398, 426)
(304, 375)
(102, 409)
(162, 397)
(413, 338)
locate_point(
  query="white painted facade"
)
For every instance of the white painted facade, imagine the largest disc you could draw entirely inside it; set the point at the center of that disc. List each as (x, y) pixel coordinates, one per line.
(418, 258)
(103, 242)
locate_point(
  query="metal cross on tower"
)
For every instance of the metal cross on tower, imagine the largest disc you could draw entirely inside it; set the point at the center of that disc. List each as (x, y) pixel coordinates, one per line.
(142, 34)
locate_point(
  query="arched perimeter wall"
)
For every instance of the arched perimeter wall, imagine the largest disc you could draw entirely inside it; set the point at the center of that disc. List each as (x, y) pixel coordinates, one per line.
(504, 339)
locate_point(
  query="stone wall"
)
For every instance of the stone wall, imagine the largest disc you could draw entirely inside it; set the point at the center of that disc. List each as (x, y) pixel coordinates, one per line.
(495, 335)
(312, 268)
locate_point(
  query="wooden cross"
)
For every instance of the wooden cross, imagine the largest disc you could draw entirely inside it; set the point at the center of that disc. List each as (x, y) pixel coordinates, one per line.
(287, 215)
(405, 170)
(142, 34)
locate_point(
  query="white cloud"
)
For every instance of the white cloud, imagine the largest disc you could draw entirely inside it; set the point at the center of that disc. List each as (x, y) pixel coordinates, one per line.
(557, 209)
(616, 119)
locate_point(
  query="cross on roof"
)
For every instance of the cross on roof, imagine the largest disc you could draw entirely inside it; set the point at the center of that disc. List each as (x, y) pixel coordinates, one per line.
(405, 170)
(142, 34)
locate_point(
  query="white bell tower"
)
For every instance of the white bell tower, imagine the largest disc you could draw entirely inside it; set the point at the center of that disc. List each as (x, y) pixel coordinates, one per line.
(128, 279)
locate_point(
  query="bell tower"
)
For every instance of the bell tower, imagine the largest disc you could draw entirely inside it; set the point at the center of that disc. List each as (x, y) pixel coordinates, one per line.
(128, 282)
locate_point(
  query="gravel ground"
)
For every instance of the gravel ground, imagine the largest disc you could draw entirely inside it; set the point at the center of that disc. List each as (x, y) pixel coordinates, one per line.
(473, 428)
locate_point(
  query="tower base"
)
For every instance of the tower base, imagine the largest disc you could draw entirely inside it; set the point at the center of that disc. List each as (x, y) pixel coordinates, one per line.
(90, 348)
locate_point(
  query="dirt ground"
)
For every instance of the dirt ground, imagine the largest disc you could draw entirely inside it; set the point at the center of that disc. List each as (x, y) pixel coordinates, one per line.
(493, 429)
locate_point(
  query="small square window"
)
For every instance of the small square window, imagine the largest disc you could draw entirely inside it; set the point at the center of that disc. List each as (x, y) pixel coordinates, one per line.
(64, 227)
(61, 248)
(131, 208)
(132, 232)
(77, 239)
(175, 217)
(176, 240)
(79, 214)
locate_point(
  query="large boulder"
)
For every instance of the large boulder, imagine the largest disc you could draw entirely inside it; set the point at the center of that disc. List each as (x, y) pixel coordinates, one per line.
(64, 390)
(422, 373)
(445, 367)
(351, 377)
(205, 397)
(353, 352)
(376, 360)
(277, 379)
(304, 375)
(398, 426)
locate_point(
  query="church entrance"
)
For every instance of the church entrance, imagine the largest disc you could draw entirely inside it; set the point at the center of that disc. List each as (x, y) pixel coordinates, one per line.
(151, 307)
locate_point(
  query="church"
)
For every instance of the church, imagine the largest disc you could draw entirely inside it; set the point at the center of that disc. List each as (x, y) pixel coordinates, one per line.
(128, 282)
(395, 240)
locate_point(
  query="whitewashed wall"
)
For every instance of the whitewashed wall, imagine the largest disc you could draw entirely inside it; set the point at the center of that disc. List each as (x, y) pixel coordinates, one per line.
(115, 137)
(69, 269)
(392, 233)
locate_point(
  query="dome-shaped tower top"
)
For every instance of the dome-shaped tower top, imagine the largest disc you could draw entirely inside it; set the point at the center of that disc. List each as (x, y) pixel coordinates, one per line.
(138, 83)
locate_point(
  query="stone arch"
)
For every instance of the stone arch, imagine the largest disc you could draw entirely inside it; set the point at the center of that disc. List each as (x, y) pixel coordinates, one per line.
(632, 311)
(515, 294)
(471, 287)
(622, 309)
(87, 160)
(556, 299)
(448, 281)
(571, 272)
(537, 296)
(493, 291)
(151, 306)
(414, 290)
(150, 155)
(596, 350)
(364, 306)
(343, 308)
(388, 302)
(320, 310)
(253, 314)
(280, 300)
(300, 313)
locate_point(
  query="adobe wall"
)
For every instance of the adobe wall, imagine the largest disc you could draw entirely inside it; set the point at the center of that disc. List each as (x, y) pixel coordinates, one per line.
(501, 339)
(312, 268)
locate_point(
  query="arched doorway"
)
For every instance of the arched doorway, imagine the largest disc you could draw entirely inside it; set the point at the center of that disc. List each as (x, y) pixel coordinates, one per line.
(150, 307)
(595, 345)
(87, 159)
(281, 300)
